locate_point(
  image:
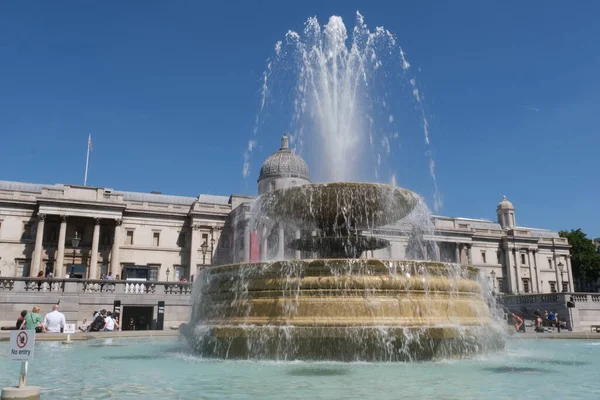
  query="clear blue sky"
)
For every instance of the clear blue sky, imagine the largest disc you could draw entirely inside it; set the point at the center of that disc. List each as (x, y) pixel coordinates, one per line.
(169, 92)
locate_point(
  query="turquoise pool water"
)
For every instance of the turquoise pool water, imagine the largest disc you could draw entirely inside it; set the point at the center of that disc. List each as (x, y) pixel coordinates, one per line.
(163, 369)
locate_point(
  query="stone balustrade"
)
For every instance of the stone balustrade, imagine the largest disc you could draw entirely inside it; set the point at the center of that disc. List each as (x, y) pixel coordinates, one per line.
(549, 298)
(583, 312)
(92, 286)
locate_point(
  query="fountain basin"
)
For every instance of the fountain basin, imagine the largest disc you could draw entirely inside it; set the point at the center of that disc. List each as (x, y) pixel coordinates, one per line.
(337, 309)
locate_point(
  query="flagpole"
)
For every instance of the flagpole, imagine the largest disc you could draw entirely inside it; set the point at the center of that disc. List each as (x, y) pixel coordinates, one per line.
(87, 160)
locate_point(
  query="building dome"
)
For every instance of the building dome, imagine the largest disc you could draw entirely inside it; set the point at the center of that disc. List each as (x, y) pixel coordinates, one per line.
(284, 164)
(505, 204)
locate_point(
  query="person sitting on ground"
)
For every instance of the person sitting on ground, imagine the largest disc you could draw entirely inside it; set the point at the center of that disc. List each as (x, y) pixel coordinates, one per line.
(84, 325)
(518, 322)
(34, 320)
(20, 319)
(539, 324)
(55, 320)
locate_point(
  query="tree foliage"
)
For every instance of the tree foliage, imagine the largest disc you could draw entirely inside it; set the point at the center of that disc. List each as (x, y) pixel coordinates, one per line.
(585, 260)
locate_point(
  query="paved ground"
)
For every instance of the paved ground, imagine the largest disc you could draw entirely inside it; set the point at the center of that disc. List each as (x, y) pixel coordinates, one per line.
(556, 335)
(5, 335)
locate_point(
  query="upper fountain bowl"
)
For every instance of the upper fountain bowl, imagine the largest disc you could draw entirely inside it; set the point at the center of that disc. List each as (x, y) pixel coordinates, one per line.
(338, 208)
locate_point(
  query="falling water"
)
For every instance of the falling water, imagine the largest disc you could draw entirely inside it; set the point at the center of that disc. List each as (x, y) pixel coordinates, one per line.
(339, 304)
(341, 90)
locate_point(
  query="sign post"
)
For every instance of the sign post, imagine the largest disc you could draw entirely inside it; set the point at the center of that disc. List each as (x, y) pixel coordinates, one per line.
(68, 329)
(21, 348)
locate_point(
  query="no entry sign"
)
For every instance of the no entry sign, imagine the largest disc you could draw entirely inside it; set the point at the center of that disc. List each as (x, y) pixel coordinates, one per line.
(21, 345)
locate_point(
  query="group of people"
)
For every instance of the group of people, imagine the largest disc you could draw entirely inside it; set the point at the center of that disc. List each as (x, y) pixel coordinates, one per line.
(102, 321)
(54, 321)
(549, 319)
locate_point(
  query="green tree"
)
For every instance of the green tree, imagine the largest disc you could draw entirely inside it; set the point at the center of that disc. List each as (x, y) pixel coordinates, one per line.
(585, 260)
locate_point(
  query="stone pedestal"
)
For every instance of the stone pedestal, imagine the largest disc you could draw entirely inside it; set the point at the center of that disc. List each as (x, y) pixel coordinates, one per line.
(24, 393)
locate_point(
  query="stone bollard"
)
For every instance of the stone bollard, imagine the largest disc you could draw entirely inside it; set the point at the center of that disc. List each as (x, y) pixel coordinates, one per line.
(21, 393)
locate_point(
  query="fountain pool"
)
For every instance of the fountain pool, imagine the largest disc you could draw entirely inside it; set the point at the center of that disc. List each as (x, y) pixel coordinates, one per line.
(163, 368)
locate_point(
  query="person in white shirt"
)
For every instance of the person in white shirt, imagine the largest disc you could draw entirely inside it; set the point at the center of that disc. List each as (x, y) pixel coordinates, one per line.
(54, 320)
(110, 323)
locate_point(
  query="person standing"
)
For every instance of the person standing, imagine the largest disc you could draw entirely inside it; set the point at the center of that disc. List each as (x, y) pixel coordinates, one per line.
(54, 320)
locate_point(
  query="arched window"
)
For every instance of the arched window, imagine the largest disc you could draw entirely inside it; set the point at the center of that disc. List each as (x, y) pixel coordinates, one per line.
(272, 186)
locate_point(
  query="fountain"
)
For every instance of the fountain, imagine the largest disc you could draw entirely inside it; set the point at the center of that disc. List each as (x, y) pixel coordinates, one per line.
(335, 303)
(339, 306)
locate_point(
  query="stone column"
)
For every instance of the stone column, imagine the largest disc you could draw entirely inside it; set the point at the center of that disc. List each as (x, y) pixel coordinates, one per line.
(281, 245)
(569, 272)
(194, 250)
(469, 255)
(530, 271)
(93, 273)
(37, 252)
(246, 244)
(517, 274)
(508, 279)
(115, 267)
(297, 253)
(456, 253)
(264, 253)
(535, 269)
(59, 270)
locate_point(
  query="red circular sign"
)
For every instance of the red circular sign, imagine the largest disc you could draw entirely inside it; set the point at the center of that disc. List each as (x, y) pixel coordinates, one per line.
(22, 339)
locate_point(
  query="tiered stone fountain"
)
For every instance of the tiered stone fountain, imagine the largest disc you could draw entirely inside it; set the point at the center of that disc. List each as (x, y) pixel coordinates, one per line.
(340, 306)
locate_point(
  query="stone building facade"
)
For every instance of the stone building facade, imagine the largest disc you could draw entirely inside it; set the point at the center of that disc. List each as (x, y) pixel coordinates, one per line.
(141, 236)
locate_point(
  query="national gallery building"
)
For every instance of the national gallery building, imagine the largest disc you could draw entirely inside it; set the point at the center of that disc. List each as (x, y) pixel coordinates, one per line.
(88, 232)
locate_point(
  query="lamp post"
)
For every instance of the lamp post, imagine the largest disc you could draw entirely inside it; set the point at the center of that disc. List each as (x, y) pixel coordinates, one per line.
(74, 244)
(561, 268)
(168, 272)
(493, 276)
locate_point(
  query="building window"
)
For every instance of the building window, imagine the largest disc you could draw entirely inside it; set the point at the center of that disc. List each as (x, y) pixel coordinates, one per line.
(106, 239)
(523, 259)
(500, 284)
(550, 263)
(181, 239)
(49, 269)
(565, 286)
(52, 235)
(22, 268)
(79, 231)
(498, 257)
(272, 185)
(27, 231)
(180, 272)
(552, 286)
(525, 285)
(205, 239)
(153, 272)
(483, 258)
(155, 239)
(129, 237)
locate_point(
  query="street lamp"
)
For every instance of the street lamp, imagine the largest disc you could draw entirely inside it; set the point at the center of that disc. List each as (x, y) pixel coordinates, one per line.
(561, 268)
(493, 276)
(74, 244)
(204, 249)
(168, 272)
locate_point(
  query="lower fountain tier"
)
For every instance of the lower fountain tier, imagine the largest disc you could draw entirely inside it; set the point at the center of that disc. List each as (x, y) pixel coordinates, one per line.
(315, 309)
(377, 344)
